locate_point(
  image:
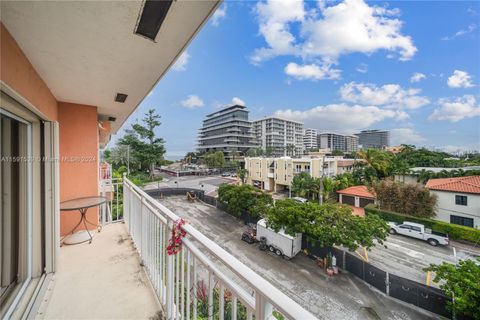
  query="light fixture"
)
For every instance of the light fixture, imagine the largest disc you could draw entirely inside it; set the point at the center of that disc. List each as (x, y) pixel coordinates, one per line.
(151, 18)
(121, 97)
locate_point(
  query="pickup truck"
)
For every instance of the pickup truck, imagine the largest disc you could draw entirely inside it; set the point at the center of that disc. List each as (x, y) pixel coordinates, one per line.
(418, 231)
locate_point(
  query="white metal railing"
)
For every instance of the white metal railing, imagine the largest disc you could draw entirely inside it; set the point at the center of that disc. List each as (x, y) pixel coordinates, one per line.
(112, 211)
(203, 280)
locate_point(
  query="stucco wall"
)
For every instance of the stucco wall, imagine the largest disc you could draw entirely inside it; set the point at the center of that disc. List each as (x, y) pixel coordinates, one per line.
(18, 73)
(78, 158)
(446, 206)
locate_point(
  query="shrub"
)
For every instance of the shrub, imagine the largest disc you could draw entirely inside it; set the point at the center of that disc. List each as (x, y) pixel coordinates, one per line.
(408, 199)
(454, 231)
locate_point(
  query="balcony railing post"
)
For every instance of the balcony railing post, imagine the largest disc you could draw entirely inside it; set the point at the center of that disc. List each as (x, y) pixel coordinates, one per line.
(169, 285)
(263, 309)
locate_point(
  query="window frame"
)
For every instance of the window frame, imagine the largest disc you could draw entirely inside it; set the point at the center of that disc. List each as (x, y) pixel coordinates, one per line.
(459, 200)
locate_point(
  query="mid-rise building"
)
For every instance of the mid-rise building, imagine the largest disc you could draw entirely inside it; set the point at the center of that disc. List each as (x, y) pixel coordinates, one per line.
(335, 141)
(310, 139)
(377, 139)
(276, 174)
(284, 137)
(227, 130)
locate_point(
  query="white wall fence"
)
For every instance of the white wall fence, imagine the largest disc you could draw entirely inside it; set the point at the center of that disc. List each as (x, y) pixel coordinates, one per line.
(203, 280)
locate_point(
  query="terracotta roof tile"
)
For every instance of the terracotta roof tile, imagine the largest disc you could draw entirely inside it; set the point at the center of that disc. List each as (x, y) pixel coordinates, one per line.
(470, 184)
(359, 191)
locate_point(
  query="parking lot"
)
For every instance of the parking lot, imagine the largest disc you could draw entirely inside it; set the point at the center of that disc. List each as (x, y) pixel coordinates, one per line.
(340, 297)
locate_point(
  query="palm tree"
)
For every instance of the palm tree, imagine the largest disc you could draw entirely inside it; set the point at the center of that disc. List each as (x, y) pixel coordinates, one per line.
(379, 160)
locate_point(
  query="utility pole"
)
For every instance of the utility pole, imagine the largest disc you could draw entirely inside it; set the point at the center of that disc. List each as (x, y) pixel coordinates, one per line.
(320, 195)
(128, 159)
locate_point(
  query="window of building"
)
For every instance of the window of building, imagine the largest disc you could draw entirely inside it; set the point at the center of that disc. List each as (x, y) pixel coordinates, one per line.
(461, 200)
(463, 221)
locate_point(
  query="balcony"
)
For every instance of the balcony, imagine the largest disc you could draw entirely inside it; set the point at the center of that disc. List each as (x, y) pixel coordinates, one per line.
(127, 273)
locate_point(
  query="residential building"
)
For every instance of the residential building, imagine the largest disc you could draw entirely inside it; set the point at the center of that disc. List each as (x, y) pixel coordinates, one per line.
(71, 74)
(285, 137)
(414, 173)
(458, 200)
(345, 165)
(377, 139)
(335, 141)
(310, 139)
(227, 130)
(358, 197)
(276, 174)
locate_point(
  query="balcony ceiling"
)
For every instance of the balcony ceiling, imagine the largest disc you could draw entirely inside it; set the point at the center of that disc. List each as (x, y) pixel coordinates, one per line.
(87, 52)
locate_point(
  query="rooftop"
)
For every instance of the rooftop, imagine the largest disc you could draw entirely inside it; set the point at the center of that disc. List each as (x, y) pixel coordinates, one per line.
(359, 191)
(470, 184)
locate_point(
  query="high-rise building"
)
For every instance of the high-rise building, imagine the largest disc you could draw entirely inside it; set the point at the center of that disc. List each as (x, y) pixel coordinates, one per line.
(377, 139)
(310, 139)
(227, 130)
(335, 141)
(285, 137)
(351, 143)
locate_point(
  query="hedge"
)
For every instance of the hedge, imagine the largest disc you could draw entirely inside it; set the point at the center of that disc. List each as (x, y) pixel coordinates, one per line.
(454, 231)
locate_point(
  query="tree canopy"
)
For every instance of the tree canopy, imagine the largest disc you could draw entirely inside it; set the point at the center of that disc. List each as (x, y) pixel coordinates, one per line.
(214, 159)
(330, 224)
(244, 198)
(405, 198)
(461, 283)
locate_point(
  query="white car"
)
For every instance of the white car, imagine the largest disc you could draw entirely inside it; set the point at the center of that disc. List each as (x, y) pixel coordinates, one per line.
(300, 199)
(418, 231)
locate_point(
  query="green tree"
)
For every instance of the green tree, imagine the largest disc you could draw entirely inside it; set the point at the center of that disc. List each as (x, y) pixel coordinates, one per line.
(379, 160)
(405, 198)
(303, 185)
(269, 151)
(337, 153)
(461, 283)
(214, 159)
(343, 181)
(290, 148)
(244, 198)
(330, 224)
(242, 174)
(143, 143)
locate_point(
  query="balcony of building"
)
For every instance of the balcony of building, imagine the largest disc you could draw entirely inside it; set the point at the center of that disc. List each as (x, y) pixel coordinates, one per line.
(126, 272)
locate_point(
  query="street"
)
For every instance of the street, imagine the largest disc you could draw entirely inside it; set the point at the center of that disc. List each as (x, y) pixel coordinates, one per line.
(340, 297)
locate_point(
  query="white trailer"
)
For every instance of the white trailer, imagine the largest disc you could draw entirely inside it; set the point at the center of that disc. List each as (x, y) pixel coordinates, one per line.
(280, 243)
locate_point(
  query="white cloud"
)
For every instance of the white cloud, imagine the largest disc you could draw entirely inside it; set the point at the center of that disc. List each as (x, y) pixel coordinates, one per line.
(362, 68)
(417, 77)
(457, 109)
(460, 79)
(343, 28)
(460, 33)
(341, 117)
(192, 102)
(237, 100)
(182, 61)
(219, 15)
(311, 71)
(406, 136)
(389, 95)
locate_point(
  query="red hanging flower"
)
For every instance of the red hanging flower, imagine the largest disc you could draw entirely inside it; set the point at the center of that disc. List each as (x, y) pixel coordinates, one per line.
(175, 242)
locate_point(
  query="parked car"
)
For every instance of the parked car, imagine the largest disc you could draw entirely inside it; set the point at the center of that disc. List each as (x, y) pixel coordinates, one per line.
(418, 231)
(300, 199)
(279, 243)
(225, 174)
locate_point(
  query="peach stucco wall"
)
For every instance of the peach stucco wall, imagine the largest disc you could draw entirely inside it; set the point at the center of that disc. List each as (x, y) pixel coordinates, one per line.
(78, 158)
(78, 127)
(18, 73)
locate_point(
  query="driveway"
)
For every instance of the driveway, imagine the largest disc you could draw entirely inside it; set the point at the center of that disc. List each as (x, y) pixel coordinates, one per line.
(340, 297)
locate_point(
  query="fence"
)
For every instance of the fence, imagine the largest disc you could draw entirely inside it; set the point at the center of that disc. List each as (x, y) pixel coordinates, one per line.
(112, 211)
(418, 294)
(202, 280)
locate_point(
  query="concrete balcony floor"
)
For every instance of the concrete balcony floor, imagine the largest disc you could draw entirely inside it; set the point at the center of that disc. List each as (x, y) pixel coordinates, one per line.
(101, 280)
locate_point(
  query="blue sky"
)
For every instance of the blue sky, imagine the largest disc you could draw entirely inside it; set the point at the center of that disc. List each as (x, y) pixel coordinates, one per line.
(411, 67)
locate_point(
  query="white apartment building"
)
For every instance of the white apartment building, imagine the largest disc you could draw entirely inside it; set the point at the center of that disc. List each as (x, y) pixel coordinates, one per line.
(458, 200)
(284, 136)
(310, 139)
(335, 141)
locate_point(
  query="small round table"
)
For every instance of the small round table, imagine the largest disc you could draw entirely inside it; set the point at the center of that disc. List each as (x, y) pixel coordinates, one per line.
(82, 205)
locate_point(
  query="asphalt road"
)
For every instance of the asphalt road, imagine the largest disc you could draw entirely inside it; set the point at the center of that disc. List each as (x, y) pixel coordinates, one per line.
(340, 297)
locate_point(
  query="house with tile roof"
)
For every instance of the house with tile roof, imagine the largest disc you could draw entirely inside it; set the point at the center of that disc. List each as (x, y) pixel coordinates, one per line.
(458, 200)
(357, 197)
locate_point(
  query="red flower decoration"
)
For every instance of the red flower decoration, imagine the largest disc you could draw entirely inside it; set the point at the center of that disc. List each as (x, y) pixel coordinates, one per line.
(175, 242)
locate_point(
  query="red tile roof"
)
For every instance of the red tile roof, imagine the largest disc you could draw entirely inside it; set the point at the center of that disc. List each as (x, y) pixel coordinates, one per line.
(470, 184)
(359, 191)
